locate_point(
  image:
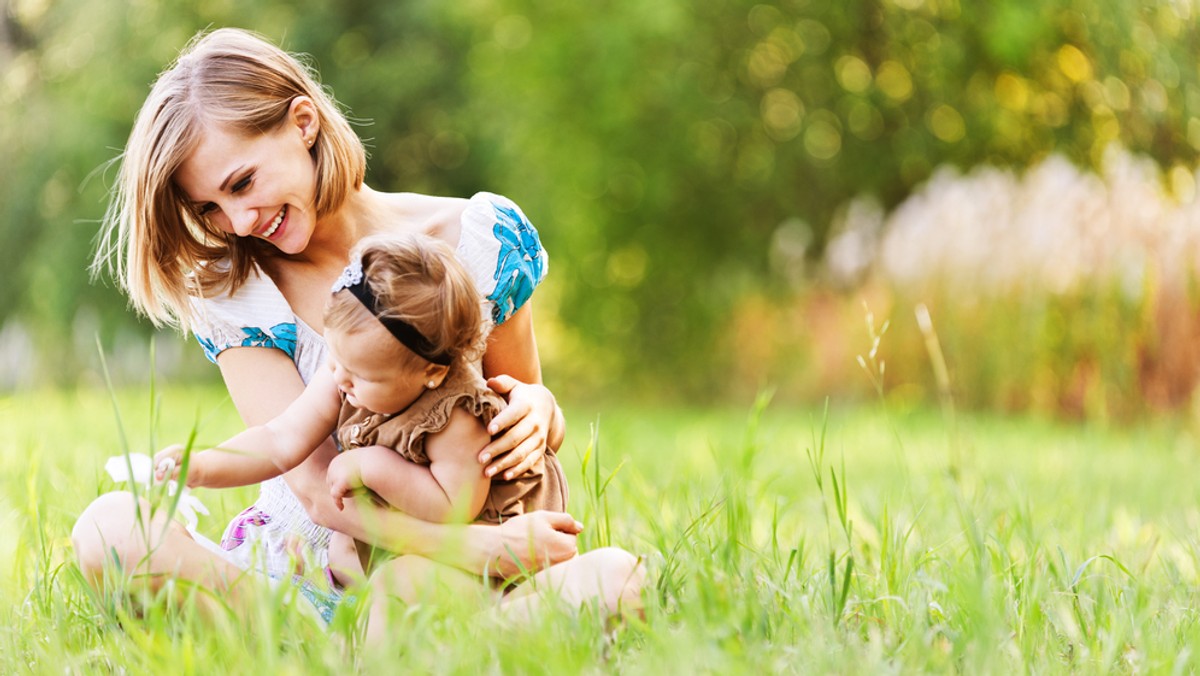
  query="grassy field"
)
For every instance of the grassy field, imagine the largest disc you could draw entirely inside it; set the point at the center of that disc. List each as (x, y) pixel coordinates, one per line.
(864, 540)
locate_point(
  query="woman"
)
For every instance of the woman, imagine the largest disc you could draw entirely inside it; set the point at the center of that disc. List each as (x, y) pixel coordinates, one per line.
(240, 195)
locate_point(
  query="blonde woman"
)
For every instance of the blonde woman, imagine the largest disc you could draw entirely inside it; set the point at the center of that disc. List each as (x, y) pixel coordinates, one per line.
(239, 198)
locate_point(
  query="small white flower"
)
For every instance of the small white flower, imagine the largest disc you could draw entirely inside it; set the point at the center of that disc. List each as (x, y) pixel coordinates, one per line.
(187, 508)
(119, 466)
(352, 275)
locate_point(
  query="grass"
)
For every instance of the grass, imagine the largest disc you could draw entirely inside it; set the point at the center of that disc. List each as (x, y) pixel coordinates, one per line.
(778, 539)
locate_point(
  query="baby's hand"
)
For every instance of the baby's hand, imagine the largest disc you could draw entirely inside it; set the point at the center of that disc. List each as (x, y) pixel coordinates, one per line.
(166, 462)
(344, 476)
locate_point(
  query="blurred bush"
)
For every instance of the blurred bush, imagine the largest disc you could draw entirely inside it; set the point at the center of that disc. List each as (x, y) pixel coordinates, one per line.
(689, 164)
(1053, 289)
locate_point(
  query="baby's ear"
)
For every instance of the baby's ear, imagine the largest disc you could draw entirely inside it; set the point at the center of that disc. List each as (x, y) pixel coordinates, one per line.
(435, 374)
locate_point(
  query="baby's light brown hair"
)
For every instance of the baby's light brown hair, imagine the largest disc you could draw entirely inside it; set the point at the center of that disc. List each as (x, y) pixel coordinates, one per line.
(416, 279)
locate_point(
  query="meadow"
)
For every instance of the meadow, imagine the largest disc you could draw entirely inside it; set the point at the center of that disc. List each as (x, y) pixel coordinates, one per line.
(874, 538)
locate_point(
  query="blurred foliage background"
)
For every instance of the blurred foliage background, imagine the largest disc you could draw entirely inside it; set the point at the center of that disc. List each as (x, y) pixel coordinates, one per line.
(722, 185)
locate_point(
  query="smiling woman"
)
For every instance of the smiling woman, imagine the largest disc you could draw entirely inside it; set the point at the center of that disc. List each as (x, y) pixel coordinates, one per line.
(240, 196)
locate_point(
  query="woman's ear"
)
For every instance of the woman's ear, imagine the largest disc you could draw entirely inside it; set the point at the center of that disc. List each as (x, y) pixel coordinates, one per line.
(302, 113)
(435, 374)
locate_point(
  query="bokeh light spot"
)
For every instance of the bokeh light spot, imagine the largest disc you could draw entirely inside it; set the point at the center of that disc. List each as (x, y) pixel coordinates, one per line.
(947, 124)
(822, 139)
(853, 74)
(894, 81)
(782, 112)
(1074, 63)
(1012, 92)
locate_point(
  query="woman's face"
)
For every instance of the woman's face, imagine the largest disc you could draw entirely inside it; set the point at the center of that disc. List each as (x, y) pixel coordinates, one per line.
(260, 186)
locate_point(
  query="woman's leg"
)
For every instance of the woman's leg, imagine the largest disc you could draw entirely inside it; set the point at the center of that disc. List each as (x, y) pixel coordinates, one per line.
(109, 537)
(609, 577)
(344, 560)
(412, 580)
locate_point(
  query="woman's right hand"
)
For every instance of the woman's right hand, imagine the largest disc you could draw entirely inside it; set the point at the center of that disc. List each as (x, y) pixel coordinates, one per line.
(531, 542)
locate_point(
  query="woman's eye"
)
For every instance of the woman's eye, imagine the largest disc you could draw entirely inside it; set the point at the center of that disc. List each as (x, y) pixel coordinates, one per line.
(206, 208)
(242, 184)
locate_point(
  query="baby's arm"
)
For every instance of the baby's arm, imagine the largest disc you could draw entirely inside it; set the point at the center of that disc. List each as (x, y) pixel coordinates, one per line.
(450, 487)
(265, 451)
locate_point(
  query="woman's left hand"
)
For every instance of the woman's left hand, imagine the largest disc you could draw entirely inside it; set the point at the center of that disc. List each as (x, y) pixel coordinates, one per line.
(528, 423)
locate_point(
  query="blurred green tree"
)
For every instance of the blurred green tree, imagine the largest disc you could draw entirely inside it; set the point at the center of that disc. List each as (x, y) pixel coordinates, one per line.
(662, 148)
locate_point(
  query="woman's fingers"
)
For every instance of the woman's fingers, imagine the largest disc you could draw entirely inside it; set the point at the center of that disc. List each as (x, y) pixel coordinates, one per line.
(505, 421)
(523, 428)
(509, 440)
(562, 522)
(537, 539)
(559, 544)
(514, 447)
(516, 411)
(527, 455)
(502, 384)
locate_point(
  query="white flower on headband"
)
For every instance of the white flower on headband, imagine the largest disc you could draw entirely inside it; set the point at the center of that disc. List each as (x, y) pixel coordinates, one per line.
(352, 275)
(119, 466)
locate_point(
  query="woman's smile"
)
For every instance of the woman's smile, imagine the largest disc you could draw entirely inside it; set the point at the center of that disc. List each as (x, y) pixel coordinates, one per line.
(274, 225)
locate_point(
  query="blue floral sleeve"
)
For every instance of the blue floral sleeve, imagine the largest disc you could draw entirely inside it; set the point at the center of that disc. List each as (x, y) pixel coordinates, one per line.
(503, 252)
(281, 336)
(256, 316)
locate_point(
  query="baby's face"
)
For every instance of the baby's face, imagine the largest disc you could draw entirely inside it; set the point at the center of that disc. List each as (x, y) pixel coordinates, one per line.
(365, 367)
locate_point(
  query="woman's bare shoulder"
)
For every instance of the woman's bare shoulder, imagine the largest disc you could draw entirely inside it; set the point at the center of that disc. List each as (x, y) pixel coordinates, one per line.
(433, 215)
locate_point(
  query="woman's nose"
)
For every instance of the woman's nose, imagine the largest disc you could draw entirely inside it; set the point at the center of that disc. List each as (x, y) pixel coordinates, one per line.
(243, 221)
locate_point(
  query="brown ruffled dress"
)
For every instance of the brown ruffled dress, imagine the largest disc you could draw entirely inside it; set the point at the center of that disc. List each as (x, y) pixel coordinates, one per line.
(543, 486)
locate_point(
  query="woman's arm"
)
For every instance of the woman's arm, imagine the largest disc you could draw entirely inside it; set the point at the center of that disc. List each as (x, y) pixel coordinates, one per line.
(532, 420)
(528, 542)
(450, 487)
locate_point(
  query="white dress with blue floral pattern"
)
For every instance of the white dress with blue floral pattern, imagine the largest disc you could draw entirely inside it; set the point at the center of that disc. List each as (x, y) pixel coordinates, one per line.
(497, 245)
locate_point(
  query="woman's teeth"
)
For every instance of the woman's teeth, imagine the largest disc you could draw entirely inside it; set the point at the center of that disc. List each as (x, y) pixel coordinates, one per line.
(266, 234)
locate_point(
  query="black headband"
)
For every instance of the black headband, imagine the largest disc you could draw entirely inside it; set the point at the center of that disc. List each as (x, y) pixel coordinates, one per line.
(355, 282)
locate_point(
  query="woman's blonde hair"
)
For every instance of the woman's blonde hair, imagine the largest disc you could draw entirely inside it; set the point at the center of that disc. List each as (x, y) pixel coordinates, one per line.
(159, 249)
(418, 280)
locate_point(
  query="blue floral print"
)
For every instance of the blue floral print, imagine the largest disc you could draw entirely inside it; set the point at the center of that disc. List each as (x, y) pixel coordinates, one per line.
(210, 349)
(520, 265)
(282, 336)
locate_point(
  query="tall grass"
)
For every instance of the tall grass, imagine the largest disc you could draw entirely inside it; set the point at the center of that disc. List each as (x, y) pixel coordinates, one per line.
(777, 539)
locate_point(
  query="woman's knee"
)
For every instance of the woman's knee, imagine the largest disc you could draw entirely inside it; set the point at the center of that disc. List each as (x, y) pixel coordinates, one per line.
(620, 575)
(106, 532)
(396, 578)
(416, 579)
